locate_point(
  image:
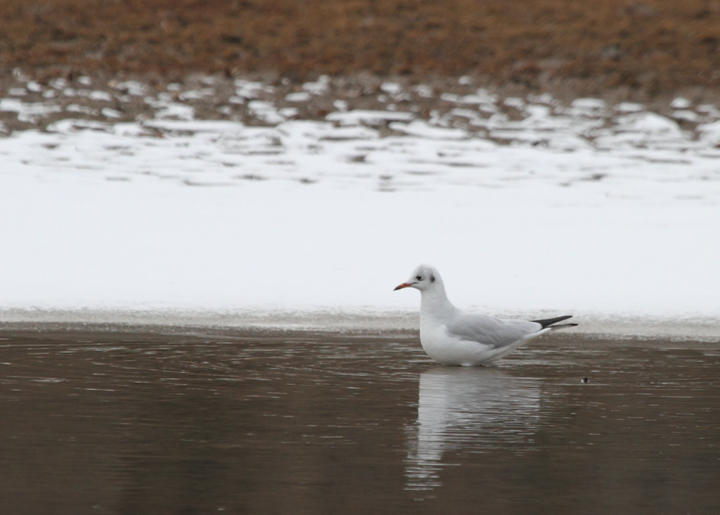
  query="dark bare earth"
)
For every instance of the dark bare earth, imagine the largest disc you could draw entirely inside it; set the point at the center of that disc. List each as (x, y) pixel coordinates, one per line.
(637, 49)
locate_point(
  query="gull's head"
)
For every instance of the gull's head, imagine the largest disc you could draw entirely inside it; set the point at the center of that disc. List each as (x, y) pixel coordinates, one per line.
(423, 278)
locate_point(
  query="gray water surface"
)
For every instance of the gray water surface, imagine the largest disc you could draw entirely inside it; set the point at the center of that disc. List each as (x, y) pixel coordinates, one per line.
(281, 422)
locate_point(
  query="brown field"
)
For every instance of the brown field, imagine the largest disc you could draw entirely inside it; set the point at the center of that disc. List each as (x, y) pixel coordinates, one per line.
(654, 47)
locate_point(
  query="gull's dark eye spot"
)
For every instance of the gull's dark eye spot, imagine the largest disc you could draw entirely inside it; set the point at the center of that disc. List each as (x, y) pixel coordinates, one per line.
(432, 278)
(418, 277)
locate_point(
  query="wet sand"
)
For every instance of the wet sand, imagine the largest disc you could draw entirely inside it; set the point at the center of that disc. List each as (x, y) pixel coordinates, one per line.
(263, 421)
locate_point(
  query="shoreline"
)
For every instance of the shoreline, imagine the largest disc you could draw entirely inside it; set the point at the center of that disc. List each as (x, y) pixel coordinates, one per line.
(325, 321)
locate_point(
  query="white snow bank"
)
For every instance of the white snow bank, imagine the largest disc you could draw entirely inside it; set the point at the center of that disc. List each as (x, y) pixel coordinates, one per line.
(620, 220)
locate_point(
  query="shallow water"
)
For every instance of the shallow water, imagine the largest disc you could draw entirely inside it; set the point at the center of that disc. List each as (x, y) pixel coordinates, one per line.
(263, 422)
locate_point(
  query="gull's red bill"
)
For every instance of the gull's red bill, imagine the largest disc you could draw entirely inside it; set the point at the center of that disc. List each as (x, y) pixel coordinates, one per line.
(403, 285)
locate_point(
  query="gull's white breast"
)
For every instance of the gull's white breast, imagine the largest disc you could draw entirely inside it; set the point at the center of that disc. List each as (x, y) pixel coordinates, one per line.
(448, 349)
(451, 349)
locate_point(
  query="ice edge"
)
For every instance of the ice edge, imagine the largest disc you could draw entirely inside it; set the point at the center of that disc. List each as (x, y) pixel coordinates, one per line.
(370, 321)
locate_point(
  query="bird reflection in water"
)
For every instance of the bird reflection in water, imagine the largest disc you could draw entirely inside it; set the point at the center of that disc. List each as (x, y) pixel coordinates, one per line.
(468, 410)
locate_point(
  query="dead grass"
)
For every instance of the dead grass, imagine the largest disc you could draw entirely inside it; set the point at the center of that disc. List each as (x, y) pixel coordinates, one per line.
(654, 46)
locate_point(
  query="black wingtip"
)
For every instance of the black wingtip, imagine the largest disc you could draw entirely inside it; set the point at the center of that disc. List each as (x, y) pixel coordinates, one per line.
(547, 322)
(562, 326)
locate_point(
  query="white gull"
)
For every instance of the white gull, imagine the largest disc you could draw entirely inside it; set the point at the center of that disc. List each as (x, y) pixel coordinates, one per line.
(452, 337)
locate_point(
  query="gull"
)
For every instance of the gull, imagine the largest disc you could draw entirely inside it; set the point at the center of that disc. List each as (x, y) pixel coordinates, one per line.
(452, 337)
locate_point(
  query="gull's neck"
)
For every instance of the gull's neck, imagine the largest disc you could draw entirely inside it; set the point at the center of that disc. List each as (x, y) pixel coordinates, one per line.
(434, 303)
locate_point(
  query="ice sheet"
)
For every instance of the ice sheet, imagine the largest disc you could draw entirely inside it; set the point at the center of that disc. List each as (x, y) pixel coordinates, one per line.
(585, 209)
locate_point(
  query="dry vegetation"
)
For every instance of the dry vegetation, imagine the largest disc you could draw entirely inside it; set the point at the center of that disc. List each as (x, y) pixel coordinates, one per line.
(654, 46)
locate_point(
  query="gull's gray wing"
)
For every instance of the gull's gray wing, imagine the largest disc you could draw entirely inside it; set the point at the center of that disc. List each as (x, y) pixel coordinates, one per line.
(490, 330)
